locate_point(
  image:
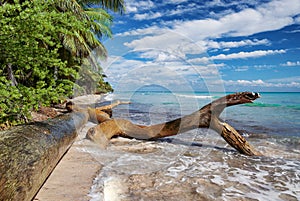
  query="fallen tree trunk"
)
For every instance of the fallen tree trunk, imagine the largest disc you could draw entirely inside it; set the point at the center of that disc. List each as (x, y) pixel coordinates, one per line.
(29, 153)
(206, 117)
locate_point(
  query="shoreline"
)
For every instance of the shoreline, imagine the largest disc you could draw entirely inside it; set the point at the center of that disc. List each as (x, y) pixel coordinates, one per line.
(193, 166)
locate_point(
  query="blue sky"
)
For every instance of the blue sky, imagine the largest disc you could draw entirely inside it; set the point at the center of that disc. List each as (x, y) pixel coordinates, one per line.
(206, 45)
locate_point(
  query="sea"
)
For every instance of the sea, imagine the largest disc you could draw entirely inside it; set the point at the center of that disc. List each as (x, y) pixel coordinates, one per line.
(199, 164)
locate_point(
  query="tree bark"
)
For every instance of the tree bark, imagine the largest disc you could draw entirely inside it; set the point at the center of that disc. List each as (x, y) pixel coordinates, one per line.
(29, 153)
(206, 117)
(11, 76)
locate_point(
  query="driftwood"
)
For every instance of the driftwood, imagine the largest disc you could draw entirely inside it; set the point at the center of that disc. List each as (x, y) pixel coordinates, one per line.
(206, 117)
(29, 153)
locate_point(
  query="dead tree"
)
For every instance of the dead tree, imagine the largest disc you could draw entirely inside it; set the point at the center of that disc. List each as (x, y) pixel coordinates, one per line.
(29, 153)
(206, 117)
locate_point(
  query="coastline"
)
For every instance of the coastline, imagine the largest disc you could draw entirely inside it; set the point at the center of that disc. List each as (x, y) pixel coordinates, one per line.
(196, 165)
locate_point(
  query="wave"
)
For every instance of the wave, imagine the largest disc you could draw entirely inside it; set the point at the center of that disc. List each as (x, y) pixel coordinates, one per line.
(195, 96)
(109, 97)
(296, 107)
(258, 104)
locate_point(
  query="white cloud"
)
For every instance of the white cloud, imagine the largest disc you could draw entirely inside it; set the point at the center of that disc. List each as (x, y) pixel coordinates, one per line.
(178, 10)
(233, 44)
(291, 63)
(166, 70)
(279, 83)
(147, 16)
(226, 45)
(294, 31)
(239, 55)
(175, 1)
(131, 9)
(297, 20)
(267, 17)
(170, 43)
(244, 55)
(270, 16)
(142, 32)
(180, 45)
(133, 6)
(241, 68)
(197, 36)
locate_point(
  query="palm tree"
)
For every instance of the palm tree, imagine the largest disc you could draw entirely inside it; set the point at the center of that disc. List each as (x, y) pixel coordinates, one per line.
(86, 44)
(82, 42)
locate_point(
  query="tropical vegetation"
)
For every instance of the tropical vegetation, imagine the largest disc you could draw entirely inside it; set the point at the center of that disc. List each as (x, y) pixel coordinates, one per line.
(48, 48)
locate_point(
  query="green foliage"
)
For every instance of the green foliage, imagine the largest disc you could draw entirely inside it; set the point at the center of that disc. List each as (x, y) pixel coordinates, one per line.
(114, 5)
(91, 80)
(41, 51)
(81, 42)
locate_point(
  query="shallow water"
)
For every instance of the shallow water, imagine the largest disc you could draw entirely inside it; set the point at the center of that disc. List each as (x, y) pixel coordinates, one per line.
(198, 164)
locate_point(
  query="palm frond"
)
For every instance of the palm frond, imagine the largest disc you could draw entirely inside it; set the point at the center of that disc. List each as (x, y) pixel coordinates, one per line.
(69, 43)
(114, 5)
(98, 21)
(99, 14)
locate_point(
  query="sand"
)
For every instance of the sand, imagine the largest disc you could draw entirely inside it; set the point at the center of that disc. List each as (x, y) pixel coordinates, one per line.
(73, 177)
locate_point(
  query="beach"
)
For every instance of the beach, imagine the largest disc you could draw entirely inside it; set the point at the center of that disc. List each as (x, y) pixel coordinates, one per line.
(195, 165)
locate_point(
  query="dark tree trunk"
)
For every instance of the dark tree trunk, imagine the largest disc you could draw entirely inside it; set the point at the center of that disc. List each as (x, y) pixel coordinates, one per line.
(29, 153)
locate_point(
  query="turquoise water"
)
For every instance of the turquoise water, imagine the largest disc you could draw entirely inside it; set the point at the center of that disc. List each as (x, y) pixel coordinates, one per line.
(272, 114)
(199, 164)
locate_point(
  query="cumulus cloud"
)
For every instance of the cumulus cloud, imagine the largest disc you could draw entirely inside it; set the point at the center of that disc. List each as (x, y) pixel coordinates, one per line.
(263, 84)
(135, 6)
(175, 1)
(239, 55)
(142, 32)
(172, 43)
(233, 44)
(226, 45)
(147, 16)
(167, 70)
(198, 36)
(267, 17)
(291, 63)
(244, 55)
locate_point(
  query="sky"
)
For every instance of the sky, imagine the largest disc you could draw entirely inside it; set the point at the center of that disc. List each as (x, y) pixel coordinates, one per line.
(217, 45)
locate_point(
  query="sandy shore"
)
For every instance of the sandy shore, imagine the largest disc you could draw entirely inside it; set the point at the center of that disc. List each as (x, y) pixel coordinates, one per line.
(72, 178)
